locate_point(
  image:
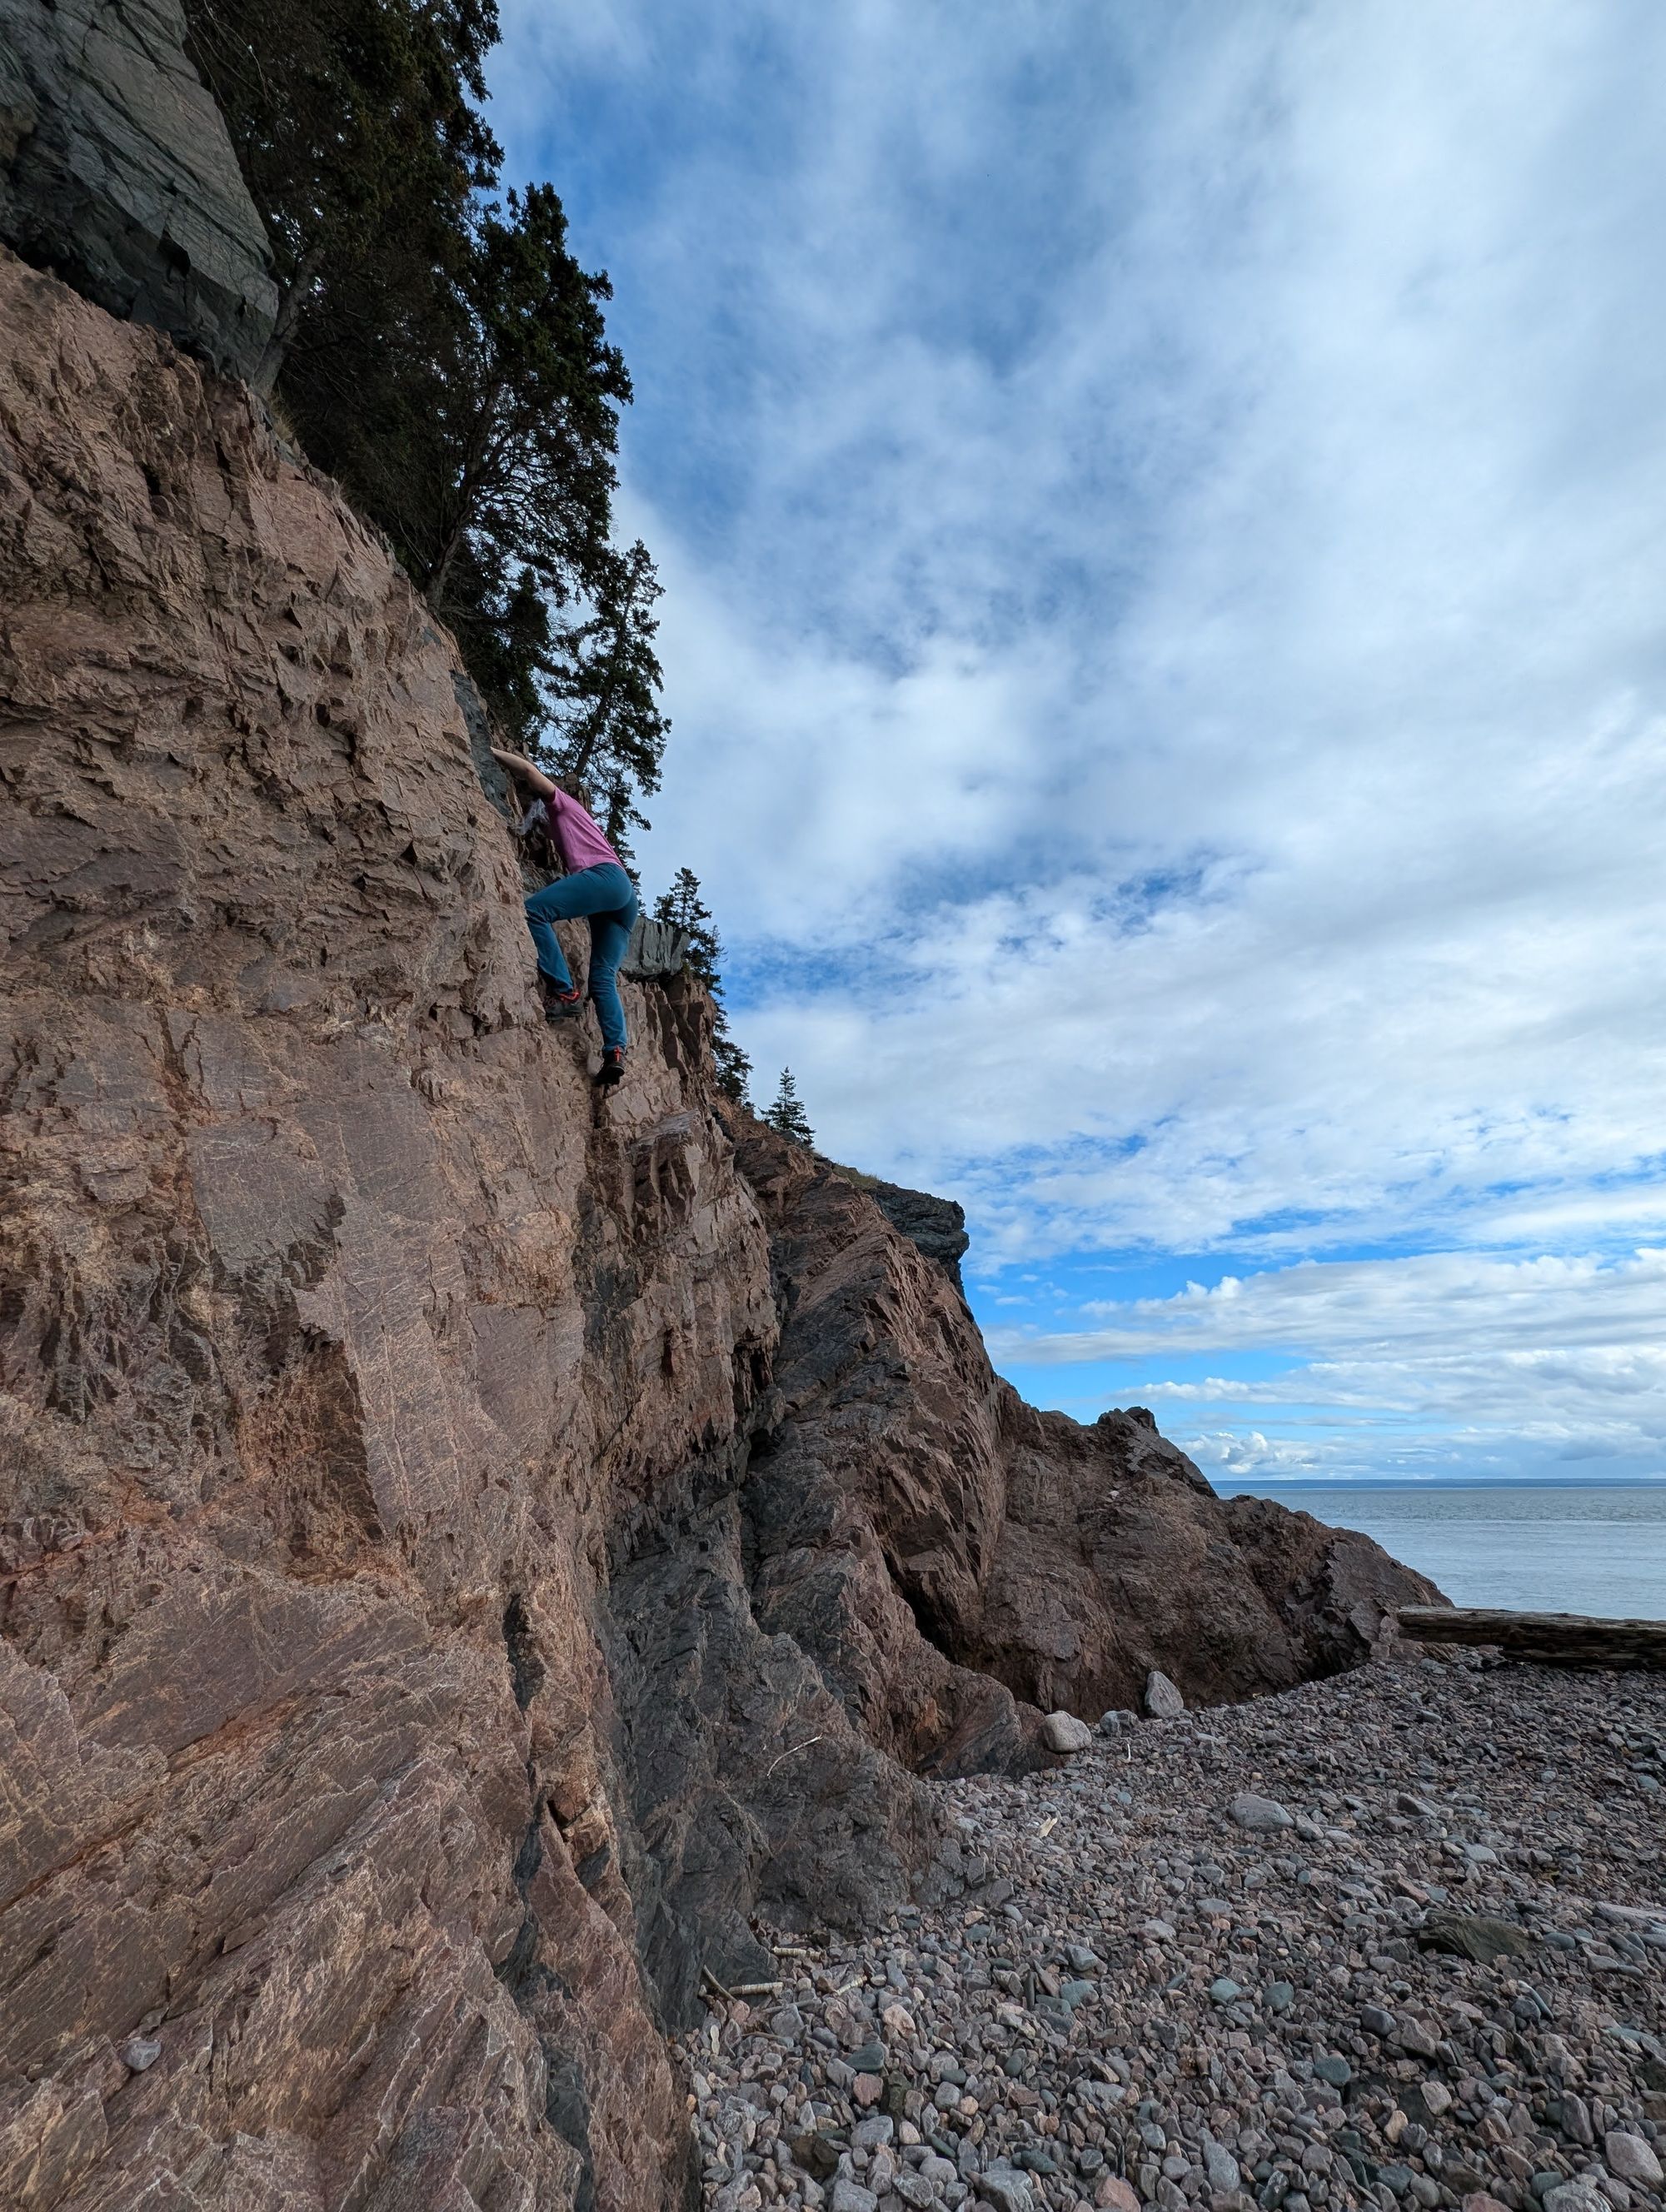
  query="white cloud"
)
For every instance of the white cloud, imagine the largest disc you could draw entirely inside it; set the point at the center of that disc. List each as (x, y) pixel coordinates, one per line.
(1518, 1308)
(1230, 1458)
(1162, 511)
(1448, 1358)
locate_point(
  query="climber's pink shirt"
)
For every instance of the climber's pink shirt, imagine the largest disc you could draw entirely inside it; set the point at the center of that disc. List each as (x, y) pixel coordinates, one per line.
(579, 843)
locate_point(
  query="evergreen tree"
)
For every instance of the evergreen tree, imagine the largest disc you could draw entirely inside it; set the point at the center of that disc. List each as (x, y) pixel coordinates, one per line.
(526, 406)
(788, 1114)
(358, 130)
(684, 907)
(507, 641)
(619, 814)
(445, 356)
(611, 676)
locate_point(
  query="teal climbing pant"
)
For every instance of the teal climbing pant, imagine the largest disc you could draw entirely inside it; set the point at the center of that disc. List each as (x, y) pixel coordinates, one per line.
(606, 897)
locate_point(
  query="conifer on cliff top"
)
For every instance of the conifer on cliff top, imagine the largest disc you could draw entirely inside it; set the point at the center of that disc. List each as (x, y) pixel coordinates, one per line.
(442, 354)
(684, 907)
(787, 1113)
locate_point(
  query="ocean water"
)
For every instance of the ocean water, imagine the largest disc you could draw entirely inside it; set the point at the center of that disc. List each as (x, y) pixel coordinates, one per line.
(1538, 1548)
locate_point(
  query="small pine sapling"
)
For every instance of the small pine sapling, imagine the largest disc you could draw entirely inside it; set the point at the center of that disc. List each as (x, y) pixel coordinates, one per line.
(788, 1115)
(683, 907)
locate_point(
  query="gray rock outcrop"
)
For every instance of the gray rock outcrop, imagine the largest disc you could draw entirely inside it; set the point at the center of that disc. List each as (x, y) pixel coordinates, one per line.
(656, 948)
(116, 173)
(936, 1225)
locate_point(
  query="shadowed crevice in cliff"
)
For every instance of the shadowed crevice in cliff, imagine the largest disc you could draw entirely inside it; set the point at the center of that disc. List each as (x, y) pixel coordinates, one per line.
(533, 1986)
(525, 1667)
(750, 1789)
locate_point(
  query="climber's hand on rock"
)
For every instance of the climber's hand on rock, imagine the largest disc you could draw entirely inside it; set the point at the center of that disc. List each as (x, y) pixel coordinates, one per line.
(519, 767)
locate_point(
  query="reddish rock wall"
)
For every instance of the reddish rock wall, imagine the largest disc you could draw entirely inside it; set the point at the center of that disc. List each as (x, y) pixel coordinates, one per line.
(944, 1549)
(451, 1575)
(344, 1329)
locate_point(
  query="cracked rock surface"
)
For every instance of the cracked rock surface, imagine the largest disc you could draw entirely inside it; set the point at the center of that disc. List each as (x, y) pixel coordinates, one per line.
(116, 172)
(468, 1545)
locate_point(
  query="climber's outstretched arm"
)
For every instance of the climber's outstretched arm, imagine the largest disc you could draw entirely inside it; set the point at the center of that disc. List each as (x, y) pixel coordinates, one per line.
(524, 772)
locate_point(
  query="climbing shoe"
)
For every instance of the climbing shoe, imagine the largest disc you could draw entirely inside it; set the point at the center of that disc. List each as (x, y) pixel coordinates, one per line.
(559, 1005)
(611, 1070)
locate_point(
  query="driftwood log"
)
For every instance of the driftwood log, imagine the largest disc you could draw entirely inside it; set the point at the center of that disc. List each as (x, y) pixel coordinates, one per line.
(1554, 1639)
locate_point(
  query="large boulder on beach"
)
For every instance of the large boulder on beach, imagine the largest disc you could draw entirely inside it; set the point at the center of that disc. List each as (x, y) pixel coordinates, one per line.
(1161, 1699)
(1064, 1732)
(1263, 1815)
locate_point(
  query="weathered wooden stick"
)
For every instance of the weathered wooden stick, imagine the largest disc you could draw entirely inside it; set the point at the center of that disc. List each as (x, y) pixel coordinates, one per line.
(1554, 1639)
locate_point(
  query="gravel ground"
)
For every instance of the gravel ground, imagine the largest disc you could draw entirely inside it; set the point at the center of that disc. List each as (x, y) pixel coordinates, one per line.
(1197, 1969)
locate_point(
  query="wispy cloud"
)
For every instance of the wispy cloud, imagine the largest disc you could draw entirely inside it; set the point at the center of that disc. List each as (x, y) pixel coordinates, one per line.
(1440, 1362)
(1517, 1311)
(1163, 511)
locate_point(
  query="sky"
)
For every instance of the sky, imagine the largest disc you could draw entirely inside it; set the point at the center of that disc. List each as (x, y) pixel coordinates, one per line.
(1163, 514)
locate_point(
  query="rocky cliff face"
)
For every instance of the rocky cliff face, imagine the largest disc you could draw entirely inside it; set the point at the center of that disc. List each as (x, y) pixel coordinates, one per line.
(937, 1225)
(117, 171)
(468, 1544)
(955, 1559)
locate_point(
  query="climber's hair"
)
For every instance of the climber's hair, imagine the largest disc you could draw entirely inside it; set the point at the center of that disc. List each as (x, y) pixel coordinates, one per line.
(576, 788)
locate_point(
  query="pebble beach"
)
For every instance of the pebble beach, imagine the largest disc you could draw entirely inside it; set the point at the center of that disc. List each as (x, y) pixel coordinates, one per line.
(1395, 1938)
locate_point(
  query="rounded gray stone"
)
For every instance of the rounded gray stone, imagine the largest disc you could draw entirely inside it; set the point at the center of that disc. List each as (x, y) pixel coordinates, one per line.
(1062, 1731)
(1629, 2158)
(1163, 1701)
(1261, 1816)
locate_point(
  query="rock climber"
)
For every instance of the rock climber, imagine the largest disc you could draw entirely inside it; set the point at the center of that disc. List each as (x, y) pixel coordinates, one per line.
(595, 886)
